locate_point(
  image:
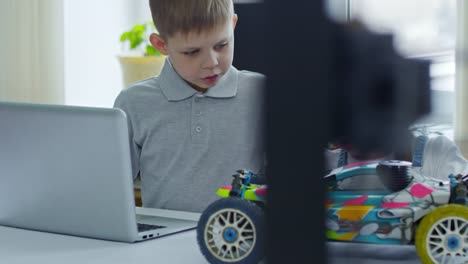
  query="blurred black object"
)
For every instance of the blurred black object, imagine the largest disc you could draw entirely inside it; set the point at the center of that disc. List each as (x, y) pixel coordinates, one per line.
(299, 109)
(249, 35)
(377, 94)
(326, 82)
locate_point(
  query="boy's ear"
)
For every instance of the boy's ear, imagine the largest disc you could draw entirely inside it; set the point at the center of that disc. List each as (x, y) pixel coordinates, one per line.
(158, 43)
(234, 21)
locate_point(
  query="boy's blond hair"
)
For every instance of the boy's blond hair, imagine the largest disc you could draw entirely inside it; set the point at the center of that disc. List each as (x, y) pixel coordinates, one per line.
(184, 16)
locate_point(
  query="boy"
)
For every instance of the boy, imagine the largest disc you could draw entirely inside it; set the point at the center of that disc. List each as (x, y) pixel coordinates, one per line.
(200, 120)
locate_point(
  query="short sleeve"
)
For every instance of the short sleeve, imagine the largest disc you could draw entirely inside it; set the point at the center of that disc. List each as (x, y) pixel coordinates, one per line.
(135, 151)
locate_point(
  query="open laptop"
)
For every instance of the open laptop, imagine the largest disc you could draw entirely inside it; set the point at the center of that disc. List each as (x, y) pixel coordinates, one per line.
(66, 169)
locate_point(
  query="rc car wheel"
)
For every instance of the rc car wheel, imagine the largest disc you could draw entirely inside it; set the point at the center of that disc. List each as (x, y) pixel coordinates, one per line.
(231, 230)
(442, 235)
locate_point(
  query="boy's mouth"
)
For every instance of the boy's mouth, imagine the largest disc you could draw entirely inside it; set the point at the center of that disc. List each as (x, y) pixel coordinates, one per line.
(210, 79)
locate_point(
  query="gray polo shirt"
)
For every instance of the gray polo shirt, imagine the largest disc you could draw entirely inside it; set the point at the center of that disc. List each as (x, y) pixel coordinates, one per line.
(187, 144)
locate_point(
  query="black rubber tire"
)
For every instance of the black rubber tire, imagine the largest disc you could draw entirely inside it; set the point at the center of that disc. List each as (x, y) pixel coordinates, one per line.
(253, 218)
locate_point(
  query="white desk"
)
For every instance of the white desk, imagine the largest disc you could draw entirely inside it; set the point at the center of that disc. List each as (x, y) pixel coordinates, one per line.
(19, 246)
(22, 246)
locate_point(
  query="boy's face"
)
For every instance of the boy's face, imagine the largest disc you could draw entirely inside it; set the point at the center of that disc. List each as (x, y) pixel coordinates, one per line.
(201, 59)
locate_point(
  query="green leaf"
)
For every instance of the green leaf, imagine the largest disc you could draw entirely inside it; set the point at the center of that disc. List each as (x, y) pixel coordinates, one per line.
(151, 51)
(124, 36)
(138, 36)
(135, 41)
(139, 29)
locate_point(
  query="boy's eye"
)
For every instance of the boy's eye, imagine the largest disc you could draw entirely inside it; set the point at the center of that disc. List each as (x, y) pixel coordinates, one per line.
(220, 46)
(190, 53)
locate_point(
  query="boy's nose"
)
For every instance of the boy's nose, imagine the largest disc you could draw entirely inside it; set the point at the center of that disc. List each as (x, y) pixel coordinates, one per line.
(211, 60)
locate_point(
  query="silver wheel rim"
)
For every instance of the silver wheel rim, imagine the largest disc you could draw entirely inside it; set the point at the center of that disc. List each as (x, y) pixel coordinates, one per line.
(447, 241)
(230, 248)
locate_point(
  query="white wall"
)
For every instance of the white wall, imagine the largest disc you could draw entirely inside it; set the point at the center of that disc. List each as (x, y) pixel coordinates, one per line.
(92, 32)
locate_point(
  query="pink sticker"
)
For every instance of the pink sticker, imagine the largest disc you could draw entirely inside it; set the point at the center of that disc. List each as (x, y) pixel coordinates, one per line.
(261, 192)
(227, 187)
(329, 201)
(394, 205)
(356, 201)
(356, 164)
(418, 190)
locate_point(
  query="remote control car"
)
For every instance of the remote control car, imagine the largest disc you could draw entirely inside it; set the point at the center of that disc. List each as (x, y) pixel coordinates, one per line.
(370, 202)
(232, 229)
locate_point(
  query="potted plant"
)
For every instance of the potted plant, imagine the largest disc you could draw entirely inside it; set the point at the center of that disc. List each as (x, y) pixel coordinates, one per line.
(140, 59)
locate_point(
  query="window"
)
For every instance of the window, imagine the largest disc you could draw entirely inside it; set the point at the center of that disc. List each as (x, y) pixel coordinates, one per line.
(92, 32)
(421, 29)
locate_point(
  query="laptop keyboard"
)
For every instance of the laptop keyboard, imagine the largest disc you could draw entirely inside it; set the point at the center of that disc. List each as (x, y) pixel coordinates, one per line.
(146, 227)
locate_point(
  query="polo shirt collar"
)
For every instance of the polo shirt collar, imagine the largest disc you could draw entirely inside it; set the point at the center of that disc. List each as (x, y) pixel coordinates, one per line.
(176, 89)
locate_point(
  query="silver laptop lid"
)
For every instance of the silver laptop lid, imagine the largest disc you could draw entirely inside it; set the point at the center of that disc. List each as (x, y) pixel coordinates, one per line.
(67, 170)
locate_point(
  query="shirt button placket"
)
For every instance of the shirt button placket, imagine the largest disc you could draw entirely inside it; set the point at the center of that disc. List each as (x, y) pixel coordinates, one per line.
(197, 118)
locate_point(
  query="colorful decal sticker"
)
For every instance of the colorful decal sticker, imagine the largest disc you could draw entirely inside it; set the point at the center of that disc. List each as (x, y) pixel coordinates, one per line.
(418, 190)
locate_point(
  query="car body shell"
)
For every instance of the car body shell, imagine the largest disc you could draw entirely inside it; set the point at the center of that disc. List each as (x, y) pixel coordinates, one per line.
(360, 209)
(361, 212)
